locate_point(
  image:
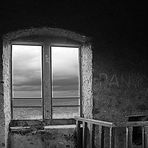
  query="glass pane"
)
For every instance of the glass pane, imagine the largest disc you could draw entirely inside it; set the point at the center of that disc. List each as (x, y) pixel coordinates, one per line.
(26, 71)
(26, 81)
(66, 101)
(65, 80)
(65, 112)
(27, 102)
(27, 113)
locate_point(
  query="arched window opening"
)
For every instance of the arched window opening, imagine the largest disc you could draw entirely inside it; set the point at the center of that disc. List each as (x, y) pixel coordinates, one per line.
(47, 76)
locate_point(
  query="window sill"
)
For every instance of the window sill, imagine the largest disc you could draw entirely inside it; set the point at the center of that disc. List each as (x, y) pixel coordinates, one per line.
(34, 128)
(59, 126)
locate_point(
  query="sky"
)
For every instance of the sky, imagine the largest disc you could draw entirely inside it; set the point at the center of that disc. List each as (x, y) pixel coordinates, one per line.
(27, 71)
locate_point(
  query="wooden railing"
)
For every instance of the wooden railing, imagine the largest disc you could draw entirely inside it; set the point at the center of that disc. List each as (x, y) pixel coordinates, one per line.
(83, 124)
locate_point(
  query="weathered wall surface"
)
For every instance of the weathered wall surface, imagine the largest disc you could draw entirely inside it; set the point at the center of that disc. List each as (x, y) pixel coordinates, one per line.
(53, 138)
(120, 83)
(7, 88)
(86, 72)
(120, 86)
(2, 119)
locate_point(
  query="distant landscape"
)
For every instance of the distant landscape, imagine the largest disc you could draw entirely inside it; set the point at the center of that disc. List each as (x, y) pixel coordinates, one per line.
(58, 112)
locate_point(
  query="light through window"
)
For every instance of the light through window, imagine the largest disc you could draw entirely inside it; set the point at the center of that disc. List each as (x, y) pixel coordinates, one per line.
(26, 81)
(28, 87)
(65, 82)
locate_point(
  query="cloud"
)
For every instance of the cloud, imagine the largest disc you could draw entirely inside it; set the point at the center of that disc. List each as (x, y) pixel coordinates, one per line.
(64, 61)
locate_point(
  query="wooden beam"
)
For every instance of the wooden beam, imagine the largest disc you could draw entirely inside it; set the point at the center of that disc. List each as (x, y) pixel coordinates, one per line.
(27, 106)
(47, 88)
(84, 138)
(101, 136)
(91, 138)
(112, 137)
(78, 134)
(131, 124)
(146, 136)
(143, 137)
(66, 106)
(126, 145)
(97, 122)
(130, 137)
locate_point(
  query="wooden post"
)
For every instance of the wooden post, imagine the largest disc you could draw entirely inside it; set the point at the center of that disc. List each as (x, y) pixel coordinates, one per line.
(130, 137)
(126, 137)
(101, 136)
(84, 134)
(47, 89)
(146, 136)
(143, 137)
(78, 134)
(91, 136)
(111, 137)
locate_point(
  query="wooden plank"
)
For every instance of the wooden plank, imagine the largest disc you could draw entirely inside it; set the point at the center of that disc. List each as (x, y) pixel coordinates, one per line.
(11, 140)
(112, 137)
(112, 124)
(130, 137)
(35, 122)
(70, 121)
(11, 77)
(80, 81)
(19, 128)
(146, 136)
(97, 122)
(129, 131)
(66, 106)
(101, 137)
(130, 124)
(126, 145)
(84, 138)
(68, 98)
(23, 42)
(91, 136)
(26, 98)
(27, 106)
(143, 137)
(78, 134)
(47, 88)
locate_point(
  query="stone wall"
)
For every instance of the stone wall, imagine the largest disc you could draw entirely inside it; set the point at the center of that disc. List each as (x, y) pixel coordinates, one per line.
(7, 87)
(119, 86)
(2, 121)
(86, 72)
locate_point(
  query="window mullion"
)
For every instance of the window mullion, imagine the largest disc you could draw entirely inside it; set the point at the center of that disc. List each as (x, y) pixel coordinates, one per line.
(47, 88)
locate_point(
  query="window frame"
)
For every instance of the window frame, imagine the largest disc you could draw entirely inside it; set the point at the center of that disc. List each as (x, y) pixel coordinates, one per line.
(47, 102)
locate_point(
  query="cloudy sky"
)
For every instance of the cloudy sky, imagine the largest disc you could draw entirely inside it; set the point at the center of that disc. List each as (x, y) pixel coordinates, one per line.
(26, 68)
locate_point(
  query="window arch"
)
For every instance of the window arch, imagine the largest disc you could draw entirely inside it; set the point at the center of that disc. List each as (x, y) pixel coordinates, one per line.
(48, 39)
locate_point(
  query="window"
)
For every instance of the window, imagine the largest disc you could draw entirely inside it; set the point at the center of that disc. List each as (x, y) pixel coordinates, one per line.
(47, 74)
(45, 81)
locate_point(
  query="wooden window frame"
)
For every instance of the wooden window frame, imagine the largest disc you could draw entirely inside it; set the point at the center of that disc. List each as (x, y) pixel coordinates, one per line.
(47, 75)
